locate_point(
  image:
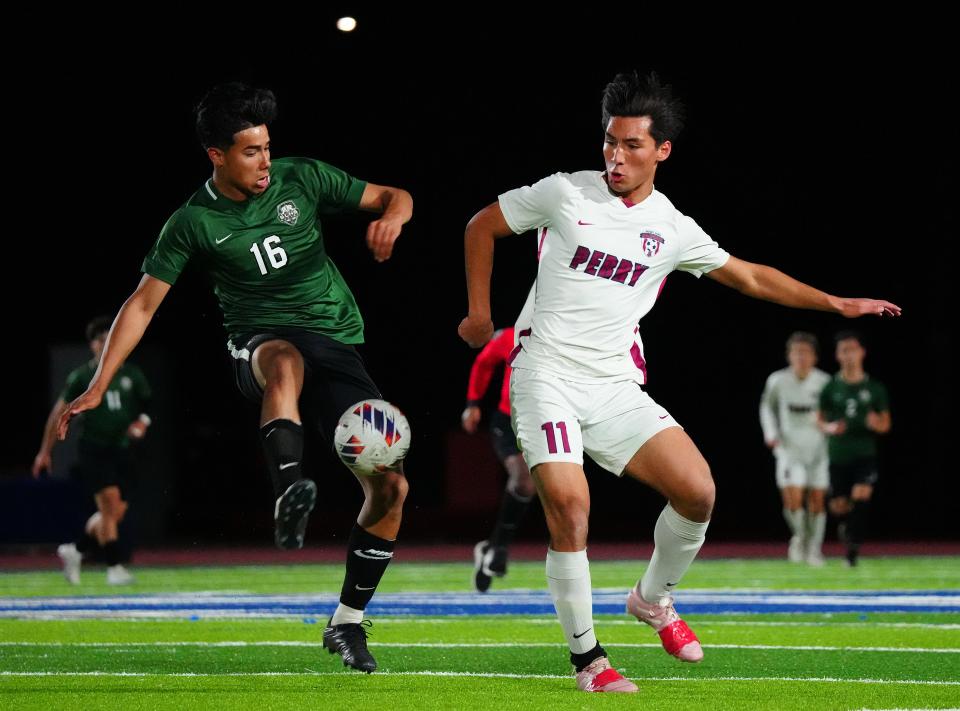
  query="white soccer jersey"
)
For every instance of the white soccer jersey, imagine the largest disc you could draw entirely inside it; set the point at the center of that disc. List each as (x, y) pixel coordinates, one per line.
(601, 267)
(788, 414)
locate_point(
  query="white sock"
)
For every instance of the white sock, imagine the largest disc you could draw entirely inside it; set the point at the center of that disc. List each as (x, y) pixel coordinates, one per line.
(568, 575)
(346, 616)
(676, 542)
(794, 521)
(816, 525)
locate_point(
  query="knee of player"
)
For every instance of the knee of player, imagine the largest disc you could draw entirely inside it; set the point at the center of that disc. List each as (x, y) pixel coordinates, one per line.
(113, 508)
(285, 362)
(702, 495)
(393, 490)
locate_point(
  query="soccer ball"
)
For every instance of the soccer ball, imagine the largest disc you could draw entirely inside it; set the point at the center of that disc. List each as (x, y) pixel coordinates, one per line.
(371, 435)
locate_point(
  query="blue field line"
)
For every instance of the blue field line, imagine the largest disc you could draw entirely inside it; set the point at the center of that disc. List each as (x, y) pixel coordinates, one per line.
(507, 602)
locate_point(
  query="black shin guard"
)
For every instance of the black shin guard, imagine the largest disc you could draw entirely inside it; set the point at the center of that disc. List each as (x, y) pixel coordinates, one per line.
(283, 448)
(367, 560)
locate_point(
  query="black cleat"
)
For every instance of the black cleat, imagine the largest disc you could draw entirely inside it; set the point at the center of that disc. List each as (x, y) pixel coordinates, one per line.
(291, 513)
(488, 562)
(853, 554)
(350, 642)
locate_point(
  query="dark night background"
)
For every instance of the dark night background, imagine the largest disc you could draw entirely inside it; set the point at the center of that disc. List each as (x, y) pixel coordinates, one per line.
(830, 156)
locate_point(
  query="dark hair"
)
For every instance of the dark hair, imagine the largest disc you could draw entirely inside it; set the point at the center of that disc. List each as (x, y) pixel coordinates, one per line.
(804, 337)
(232, 107)
(848, 336)
(98, 326)
(630, 94)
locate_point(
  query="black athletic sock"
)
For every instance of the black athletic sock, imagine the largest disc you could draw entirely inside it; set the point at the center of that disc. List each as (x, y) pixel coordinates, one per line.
(112, 554)
(857, 523)
(283, 448)
(86, 543)
(581, 661)
(512, 509)
(367, 560)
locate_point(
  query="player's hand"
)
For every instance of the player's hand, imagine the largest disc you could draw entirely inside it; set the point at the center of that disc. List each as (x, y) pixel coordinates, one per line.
(87, 401)
(853, 308)
(43, 462)
(773, 443)
(137, 429)
(476, 330)
(470, 419)
(381, 234)
(837, 427)
(874, 421)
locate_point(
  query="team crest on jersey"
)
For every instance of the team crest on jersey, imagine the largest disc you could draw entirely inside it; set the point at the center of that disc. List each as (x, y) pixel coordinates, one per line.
(288, 213)
(126, 383)
(650, 243)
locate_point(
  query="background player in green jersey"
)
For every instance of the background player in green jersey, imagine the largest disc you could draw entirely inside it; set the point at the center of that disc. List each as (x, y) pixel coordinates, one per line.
(292, 321)
(854, 411)
(104, 465)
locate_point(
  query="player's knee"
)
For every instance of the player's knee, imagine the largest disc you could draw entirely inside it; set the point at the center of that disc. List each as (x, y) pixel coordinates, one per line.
(392, 491)
(568, 516)
(700, 497)
(285, 363)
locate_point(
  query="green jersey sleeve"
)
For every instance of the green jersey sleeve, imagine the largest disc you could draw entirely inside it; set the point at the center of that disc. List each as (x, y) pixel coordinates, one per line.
(172, 250)
(333, 189)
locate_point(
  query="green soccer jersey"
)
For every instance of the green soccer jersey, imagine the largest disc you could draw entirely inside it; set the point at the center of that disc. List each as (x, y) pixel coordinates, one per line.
(122, 403)
(850, 402)
(266, 255)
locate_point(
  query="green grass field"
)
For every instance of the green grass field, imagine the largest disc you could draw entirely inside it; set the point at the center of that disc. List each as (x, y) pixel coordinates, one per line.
(753, 661)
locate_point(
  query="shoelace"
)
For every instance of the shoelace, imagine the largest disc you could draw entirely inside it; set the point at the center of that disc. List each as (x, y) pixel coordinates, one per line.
(359, 629)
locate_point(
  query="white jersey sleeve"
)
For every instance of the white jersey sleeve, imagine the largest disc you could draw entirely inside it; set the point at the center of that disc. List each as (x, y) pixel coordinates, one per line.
(531, 206)
(769, 404)
(700, 253)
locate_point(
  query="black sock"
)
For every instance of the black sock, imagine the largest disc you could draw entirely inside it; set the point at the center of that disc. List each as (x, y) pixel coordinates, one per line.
(512, 508)
(857, 523)
(581, 661)
(112, 555)
(86, 543)
(283, 447)
(367, 559)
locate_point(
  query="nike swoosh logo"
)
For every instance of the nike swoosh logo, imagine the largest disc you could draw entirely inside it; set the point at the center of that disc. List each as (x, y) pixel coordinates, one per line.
(578, 636)
(224, 239)
(663, 417)
(373, 554)
(585, 224)
(670, 585)
(288, 464)
(372, 587)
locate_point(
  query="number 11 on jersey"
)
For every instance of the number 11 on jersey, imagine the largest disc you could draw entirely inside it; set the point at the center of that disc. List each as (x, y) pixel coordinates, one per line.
(548, 429)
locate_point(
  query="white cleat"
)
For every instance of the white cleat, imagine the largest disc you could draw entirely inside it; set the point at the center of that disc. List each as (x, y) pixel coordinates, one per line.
(71, 559)
(796, 549)
(815, 559)
(118, 575)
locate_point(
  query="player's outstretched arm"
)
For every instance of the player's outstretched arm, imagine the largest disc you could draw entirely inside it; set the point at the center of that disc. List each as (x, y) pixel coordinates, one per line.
(769, 284)
(125, 333)
(396, 208)
(483, 229)
(44, 459)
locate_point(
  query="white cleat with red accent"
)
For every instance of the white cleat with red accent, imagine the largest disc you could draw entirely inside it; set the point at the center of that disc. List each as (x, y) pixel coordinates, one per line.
(598, 675)
(677, 638)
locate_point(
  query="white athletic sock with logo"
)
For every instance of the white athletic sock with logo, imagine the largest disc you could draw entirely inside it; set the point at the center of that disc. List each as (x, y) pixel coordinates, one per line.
(568, 576)
(677, 540)
(795, 521)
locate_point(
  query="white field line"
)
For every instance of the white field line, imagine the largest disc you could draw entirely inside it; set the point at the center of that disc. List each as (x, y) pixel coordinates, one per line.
(477, 645)
(486, 675)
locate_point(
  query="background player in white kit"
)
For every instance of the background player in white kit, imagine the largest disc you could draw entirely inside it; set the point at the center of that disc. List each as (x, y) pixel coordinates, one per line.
(607, 242)
(788, 416)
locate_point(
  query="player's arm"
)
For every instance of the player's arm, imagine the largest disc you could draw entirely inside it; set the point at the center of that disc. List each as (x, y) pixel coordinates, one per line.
(879, 422)
(44, 461)
(769, 284)
(768, 415)
(828, 427)
(125, 333)
(483, 229)
(395, 207)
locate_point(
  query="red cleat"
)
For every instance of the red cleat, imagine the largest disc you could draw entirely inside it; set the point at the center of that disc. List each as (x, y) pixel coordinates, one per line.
(598, 675)
(677, 638)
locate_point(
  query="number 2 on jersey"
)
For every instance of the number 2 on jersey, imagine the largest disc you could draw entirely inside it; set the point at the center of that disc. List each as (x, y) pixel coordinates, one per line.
(275, 254)
(547, 428)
